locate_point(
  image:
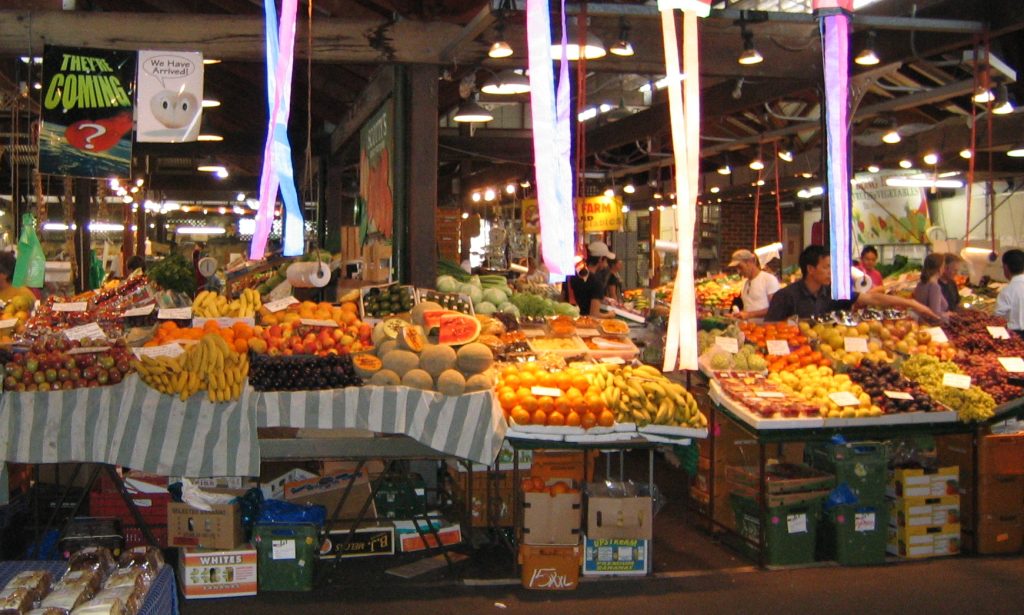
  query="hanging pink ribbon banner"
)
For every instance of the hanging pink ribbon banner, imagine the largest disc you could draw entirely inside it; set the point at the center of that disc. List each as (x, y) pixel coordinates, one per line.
(835, 39)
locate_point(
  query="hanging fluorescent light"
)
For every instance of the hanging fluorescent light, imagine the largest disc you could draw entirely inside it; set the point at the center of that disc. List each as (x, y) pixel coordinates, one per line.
(807, 175)
(656, 196)
(756, 164)
(724, 170)
(892, 136)
(983, 95)
(210, 168)
(629, 188)
(593, 48)
(923, 182)
(931, 158)
(966, 154)
(906, 164)
(587, 114)
(867, 56)
(714, 190)
(810, 193)
(210, 138)
(749, 55)
(210, 102)
(507, 82)
(1017, 151)
(1003, 104)
(211, 61)
(471, 111)
(873, 168)
(622, 47)
(105, 227)
(200, 230)
(786, 155)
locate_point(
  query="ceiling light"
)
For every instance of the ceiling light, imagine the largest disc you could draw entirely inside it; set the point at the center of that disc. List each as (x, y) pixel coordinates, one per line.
(139, 182)
(656, 196)
(966, 154)
(892, 136)
(756, 165)
(651, 208)
(221, 173)
(715, 190)
(471, 111)
(923, 182)
(127, 199)
(240, 197)
(609, 192)
(500, 48)
(625, 208)
(200, 230)
(807, 175)
(489, 194)
(476, 196)
(906, 164)
(622, 47)
(810, 193)
(867, 56)
(1003, 104)
(724, 170)
(210, 168)
(114, 183)
(465, 215)
(524, 184)
(209, 102)
(786, 155)
(210, 138)
(759, 182)
(211, 61)
(507, 82)
(629, 188)
(931, 158)
(749, 55)
(873, 168)
(983, 95)
(1017, 151)
(593, 48)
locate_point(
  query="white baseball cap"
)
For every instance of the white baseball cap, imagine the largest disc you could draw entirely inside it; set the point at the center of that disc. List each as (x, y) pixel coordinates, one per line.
(600, 248)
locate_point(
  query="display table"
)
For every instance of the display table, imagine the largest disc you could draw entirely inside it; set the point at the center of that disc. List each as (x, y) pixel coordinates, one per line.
(162, 598)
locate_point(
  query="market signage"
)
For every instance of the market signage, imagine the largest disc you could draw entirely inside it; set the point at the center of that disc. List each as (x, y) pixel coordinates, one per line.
(86, 128)
(887, 214)
(376, 174)
(595, 214)
(170, 96)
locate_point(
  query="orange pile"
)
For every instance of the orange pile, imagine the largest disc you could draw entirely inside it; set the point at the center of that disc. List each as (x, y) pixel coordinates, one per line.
(237, 335)
(578, 405)
(800, 352)
(345, 314)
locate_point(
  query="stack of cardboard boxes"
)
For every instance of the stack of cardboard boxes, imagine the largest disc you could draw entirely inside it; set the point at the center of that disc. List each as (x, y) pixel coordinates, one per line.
(924, 512)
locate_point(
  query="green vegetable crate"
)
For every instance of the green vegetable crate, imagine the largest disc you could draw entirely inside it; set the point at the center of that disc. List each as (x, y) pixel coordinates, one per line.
(286, 555)
(863, 466)
(790, 527)
(854, 534)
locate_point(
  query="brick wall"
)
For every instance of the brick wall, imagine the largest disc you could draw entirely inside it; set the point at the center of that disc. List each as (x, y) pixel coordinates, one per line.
(737, 226)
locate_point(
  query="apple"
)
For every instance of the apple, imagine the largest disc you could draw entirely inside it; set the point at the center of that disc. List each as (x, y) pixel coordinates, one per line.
(74, 373)
(105, 361)
(20, 387)
(39, 377)
(81, 383)
(15, 370)
(124, 365)
(116, 376)
(63, 374)
(102, 376)
(31, 365)
(10, 382)
(19, 358)
(94, 383)
(89, 373)
(71, 363)
(31, 388)
(67, 385)
(50, 374)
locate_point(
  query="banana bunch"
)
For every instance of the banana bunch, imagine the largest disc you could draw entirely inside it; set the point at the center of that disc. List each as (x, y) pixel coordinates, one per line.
(211, 365)
(213, 305)
(643, 395)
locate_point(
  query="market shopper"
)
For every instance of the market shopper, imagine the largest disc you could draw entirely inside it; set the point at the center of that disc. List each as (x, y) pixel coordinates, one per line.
(1010, 302)
(587, 288)
(812, 294)
(604, 256)
(928, 290)
(8, 291)
(758, 287)
(613, 289)
(951, 264)
(868, 259)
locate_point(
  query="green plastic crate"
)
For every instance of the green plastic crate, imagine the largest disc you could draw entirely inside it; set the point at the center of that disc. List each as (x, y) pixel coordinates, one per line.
(790, 529)
(286, 556)
(401, 497)
(855, 534)
(863, 466)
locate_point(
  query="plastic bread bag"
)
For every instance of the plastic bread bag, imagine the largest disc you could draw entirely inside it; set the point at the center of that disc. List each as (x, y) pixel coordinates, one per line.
(15, 601)
(36, 581)
(109, 606)
(90, 579)
(47, 611)
(66, 598)
(131, 598)
(147, 558)
(93, 558)
(128, 577)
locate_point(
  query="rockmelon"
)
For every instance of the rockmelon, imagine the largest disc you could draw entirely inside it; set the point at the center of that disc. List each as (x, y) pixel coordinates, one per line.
(366, 364)
(400, 362)
(421, 309)
(474, 358)
(436, 358)
(412, 338)
(451, 382)
(478, 382)
(418, 379)
(386, 378)
(386, 348)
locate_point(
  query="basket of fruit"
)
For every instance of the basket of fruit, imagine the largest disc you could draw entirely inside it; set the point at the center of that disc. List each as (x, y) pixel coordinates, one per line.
(382, 301)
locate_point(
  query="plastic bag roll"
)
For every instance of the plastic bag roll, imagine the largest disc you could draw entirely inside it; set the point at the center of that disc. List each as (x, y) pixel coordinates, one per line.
(308, 275)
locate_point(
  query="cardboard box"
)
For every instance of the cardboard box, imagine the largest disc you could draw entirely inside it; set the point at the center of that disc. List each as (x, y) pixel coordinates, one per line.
(273, 489)
(552, 519)
(1002, 455)
(610, 515)
(217, 574)
(505, 460)
(572, 465)
(550, 567)
(327, 491)
(373, 467)
(924, 541)
(909, 512)
(235, 483)
(409, 539)
(370, 540)
(219, 528)
(913, 482)
(615, 556)
(999, 534)
(493, 496)
(1001, 495)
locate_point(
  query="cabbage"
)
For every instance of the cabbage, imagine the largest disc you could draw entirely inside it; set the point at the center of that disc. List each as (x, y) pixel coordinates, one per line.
(508, 308)
(485, 307)
(447, 284)
(495, 296)
(475, 294)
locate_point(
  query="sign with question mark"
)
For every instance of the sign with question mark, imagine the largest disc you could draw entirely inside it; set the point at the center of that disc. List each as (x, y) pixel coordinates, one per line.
(87, 100)
(170, 96)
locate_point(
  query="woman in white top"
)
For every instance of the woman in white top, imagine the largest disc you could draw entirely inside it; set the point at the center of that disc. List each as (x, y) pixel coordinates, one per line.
(758, 287)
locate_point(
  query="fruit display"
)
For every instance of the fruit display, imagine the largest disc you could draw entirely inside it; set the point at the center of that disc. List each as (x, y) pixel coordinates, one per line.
(131, 291)
(766, 398)
(706, 339)
(489, 294)
(716, 293)
(529, 394)
(16, 310)
(636, 300)
(889, 390)
(643, 395)
(54, 363)
(305, 373)
(971, 404)
(241, 337)
(449, 301)
(536, 484)
(211, 365)
(567, 346)
(381, 301)
(213, 305)
(817, 384)
(328, 329)
(50, 315)
(747, 359)
(978, 352)
(407, 358)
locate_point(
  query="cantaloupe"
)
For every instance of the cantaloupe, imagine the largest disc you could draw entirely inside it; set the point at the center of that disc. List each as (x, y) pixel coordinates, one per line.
(386, 347)
(474, 358)
(412, 338)
(418, 379)
(366, 364)
(385, 377)
(401, 362)
(436, 358)
(451, 382)
(478, 382)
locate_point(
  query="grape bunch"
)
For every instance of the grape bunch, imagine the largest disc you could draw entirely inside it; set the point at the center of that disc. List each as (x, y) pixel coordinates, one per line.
(971, 404)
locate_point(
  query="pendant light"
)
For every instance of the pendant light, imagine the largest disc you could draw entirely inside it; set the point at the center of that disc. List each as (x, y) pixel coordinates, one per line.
(472, 111)
(750, 55)
(867, 56)
(622, 47)
(593, 48)
(507, 82)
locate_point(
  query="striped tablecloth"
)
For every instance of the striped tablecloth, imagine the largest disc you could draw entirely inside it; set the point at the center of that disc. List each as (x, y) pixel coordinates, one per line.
(468, 426)
(132, 425)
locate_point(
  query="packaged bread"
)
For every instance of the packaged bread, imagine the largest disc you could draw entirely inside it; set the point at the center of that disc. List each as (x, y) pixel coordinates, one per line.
(66, 598)
(89, 579)
(47, 611)
(128, 577)
(131, 598)
(15, 601)
(93, 558)
(110, 606)
(36, 581)
(142, 557)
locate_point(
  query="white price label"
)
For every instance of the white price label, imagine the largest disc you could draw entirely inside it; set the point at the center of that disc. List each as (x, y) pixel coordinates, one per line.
(165, 350)
(728, 344)
(184, 313)
(91, 330)
(283, 549)
(864, 522)
(280, 304)
(938, 335)
(145, 310)
(855, 344)
(898, 395)
(1012, 364)
(76, 306)
(313, 322)
(613, 360)
(844, 398)
(957, 381)
(587, 332)
(7, 323)
(796, 524)
(88, 349)
(778, 348)
(770, 394)
(546, 391)
(999, 333)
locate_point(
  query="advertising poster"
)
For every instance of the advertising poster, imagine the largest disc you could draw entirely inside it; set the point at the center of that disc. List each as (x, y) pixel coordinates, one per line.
(170, 96)
(376, 175)
(595, 214)
(885, 214)
(86, 128)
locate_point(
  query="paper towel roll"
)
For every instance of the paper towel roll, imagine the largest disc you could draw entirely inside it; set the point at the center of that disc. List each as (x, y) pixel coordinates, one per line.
(308, 275)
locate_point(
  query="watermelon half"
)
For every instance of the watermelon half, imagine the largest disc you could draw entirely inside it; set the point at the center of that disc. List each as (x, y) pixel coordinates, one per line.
(457, 329)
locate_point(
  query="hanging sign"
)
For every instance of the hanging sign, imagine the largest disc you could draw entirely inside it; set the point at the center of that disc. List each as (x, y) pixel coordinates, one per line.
(170, 96)
(86, 128)
(884, 214)
(598, 214)
(376, 174)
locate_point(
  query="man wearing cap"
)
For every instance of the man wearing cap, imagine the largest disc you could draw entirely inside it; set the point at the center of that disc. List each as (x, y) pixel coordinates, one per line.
(603, 254)
(758, 287)
(589, 285)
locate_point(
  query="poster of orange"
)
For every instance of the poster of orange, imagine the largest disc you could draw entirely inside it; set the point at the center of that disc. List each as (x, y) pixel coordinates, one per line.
(376, 175)
(595, 214)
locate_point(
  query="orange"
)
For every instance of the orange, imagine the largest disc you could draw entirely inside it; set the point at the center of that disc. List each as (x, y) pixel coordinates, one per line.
(210, 326)
(528, 402)
(508, 399)
(564, 380)
(606, 419)
(509, 370)
(578, 404)
(545, 403)
(556, 419)
(573, 393)
(573, 420)
(350, 307)
(588, 420)
(546, 379)
(241, 346)
(520, 416)
(539, 484)
(528, 379)
(580, 382)
(562, 405)
(594, 402)
(512, 380)
(540, 417)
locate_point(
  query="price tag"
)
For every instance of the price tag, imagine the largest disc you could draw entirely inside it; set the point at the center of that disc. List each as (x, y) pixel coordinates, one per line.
(184, 313)
(91, 330)
(1012, 364)
(313, 322)
(998, 333)
(728, 344)
(88, 349)
(957, 381)
(864, 522)
(613, 360)
(76, 306)
(796, 524)
(7, 323)
(166, 350)
(899, 395)
(283, 549)
(587, 332)
(855, 344)
(938, 335)
(546, 391)
(280, 304)
(145, 310)
(778, 348)
(844, 398)
(770, 394)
